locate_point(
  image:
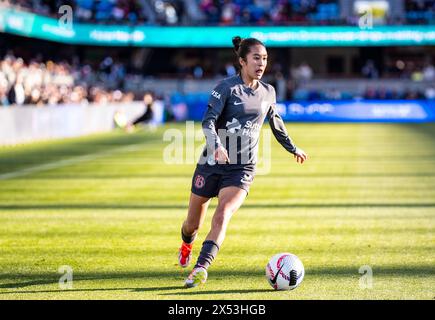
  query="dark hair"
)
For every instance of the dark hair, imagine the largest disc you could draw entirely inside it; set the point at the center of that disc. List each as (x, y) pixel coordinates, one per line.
(243, 46)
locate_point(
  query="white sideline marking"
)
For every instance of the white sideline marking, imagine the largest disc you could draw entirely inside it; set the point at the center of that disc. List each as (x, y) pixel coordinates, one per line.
(67, 162)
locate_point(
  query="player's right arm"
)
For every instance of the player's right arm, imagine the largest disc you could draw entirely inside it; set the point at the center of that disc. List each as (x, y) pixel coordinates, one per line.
(216, 105)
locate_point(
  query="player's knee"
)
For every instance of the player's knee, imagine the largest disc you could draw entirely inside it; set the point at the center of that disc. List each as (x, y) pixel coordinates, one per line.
(222, 216)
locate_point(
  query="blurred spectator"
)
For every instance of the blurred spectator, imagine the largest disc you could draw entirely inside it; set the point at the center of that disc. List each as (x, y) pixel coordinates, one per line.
(4, 101)
(229, 10)
(303, 73)
(147, 115)
(198, 72)
(169, 12)
(369, 70)
(333, 94)
(280, 86)
(430, 93)
(370, 93)
(211, 11)
(230, 70)
(429, 72)
(290, 89)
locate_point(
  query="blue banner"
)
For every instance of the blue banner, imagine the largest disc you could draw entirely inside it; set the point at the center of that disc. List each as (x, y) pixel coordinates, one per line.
(332, 111)
(359, 111)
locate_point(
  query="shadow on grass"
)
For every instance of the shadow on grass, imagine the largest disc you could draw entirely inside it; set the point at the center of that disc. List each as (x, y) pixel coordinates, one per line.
(203, 292)
(104, 206)
(188, 175)
(95, 290)
(427, 129)
(53, 279)
(19, 281)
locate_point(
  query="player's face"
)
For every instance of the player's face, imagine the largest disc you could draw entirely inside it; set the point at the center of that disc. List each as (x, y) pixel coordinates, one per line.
(256, 62)
(148, 99)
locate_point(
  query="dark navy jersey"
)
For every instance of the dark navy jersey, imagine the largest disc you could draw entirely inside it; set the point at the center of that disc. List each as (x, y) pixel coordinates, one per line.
(234, 118)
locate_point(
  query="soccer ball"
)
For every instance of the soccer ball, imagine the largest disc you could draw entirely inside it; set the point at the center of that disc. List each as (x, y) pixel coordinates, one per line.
(285, 271)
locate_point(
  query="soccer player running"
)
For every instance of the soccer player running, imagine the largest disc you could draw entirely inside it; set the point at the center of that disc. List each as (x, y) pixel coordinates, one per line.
(236, 111)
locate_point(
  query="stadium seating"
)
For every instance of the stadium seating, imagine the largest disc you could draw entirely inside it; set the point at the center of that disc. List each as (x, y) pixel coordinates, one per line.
(100, 11)
(420, 12)
(273, 12)
(220, 12)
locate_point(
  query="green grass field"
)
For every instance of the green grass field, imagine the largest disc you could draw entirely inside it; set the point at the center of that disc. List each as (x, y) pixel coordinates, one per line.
(108, 207)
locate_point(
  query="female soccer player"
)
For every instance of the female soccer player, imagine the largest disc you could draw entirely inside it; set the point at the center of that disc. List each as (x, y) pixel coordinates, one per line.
(236, 111)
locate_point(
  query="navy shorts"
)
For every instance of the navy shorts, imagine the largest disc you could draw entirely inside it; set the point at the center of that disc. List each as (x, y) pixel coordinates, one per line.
(208, 180)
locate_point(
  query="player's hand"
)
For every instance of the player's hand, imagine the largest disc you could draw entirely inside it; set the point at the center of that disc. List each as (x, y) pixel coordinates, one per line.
(300, 155)
(221, 155)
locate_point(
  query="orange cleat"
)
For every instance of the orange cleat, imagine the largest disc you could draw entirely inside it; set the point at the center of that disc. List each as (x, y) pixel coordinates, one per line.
(185, 254)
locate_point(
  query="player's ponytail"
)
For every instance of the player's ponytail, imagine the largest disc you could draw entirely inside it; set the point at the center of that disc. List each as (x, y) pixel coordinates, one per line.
(243, 46)
(236, 43)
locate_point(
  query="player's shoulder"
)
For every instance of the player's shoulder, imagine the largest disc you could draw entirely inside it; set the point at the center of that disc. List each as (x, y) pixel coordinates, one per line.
(226, 86)
(229, 81)
(267, 87)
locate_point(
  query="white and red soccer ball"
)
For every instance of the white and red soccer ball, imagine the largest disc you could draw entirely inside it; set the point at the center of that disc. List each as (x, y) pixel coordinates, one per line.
(285, 271)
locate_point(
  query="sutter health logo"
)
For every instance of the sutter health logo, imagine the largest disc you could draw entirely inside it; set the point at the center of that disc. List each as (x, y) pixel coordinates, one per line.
(233, 126)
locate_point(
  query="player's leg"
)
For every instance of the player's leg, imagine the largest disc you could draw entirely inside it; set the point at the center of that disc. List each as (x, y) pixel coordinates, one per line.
(230, 200)
(132, 125)
(195, 218)
(205, 185)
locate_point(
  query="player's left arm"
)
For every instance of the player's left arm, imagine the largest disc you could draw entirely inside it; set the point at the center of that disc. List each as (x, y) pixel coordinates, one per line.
(280, 132)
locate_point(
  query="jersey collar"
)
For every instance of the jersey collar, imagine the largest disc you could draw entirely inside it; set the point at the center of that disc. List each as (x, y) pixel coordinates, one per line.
(246, 88)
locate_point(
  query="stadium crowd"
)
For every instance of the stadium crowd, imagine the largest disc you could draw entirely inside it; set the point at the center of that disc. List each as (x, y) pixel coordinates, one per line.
(420, 11)
(272, 12)
(52, 83)
(100, 11)
(221, 12)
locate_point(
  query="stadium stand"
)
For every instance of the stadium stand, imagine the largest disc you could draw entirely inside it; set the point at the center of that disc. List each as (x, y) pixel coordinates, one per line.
(53, 83)
(276, 12)
(102, 11)
(223, 12)
(420, 11)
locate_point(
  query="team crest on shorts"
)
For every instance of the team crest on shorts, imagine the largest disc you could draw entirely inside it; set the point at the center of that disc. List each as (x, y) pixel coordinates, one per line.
(199, 181)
